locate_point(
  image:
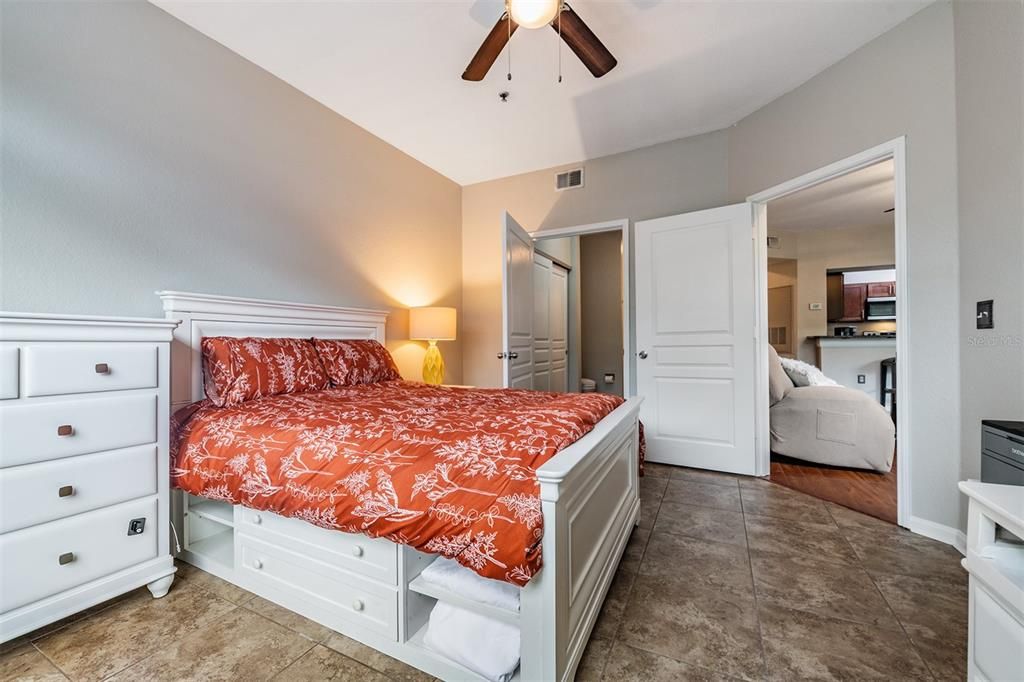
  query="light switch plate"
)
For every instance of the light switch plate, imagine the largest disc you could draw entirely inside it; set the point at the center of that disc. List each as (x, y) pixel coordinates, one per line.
(862, 379)
(814, 306)
(984, 315)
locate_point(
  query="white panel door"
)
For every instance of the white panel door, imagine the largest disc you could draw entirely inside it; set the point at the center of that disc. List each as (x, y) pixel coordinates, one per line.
(695, 338)
(558, 327)
(542, 266)
(517, 305)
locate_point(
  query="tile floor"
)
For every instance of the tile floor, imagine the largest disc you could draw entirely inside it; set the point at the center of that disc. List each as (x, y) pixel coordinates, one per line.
(726, 578)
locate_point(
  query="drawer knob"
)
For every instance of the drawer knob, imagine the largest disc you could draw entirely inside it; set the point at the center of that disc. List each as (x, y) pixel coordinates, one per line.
(66, 558)
(358, 605)
(65, 430)
(257, 519)
(257, 564)
(102, 368)
(357, 550)
(66, 491)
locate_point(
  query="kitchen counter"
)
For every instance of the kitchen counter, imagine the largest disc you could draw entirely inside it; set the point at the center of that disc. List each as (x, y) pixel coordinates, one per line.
(866, 341)
(855, 361)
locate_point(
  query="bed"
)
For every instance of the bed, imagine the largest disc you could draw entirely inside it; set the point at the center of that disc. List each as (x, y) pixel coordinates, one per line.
(359, 574)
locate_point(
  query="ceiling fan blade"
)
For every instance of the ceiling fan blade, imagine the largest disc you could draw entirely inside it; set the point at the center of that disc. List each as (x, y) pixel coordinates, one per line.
(489, 50)
(581, 40)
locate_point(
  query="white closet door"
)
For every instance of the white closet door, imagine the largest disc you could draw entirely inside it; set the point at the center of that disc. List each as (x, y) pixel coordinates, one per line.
(695, 338)
(517, 305)
(542, 268)
(558, 327)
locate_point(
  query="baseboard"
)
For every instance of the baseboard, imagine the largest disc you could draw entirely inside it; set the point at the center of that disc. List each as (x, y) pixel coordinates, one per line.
(936, 531)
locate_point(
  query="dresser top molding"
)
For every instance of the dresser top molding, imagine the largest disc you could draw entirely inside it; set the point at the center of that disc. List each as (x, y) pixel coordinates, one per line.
(212, 304)
(61, 327)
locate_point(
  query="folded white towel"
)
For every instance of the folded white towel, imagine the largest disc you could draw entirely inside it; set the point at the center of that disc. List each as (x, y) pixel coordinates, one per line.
(487, 646)
(454, 577)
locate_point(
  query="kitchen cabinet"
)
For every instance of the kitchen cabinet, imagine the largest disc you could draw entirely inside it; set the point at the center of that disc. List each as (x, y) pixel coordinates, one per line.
(854, 296)
(881, 289)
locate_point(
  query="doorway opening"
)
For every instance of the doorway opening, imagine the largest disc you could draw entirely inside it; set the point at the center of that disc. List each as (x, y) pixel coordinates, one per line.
(832, 298)
(566, 317)
(591, 310)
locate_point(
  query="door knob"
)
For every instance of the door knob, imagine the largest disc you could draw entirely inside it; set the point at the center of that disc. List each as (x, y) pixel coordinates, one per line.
(513, 356)
(501, 356)
(643, 355)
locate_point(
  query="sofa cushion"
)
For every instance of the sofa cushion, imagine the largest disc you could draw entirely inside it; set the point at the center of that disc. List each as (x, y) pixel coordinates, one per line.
(778, 381)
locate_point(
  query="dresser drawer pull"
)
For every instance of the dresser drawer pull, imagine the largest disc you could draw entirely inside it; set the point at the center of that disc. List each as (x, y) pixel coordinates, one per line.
(102, 368)
(66, 558)
(65, 430)
(66, 491)
(357, 550)
(358, 605)
(257, 564)
(257, 519)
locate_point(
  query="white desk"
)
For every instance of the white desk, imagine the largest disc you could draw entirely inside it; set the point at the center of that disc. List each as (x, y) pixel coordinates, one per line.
(995, 644)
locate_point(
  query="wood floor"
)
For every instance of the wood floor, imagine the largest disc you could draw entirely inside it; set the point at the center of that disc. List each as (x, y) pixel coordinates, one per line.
(868, 492)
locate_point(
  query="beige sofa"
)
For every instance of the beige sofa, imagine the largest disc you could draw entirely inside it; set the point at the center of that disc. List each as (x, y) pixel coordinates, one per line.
(831, 425)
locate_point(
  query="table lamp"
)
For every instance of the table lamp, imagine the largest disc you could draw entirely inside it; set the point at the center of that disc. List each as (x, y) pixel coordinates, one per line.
(432, 325)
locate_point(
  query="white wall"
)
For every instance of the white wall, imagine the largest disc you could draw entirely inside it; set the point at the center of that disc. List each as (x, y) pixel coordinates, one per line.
(990, 121)
(138, 154)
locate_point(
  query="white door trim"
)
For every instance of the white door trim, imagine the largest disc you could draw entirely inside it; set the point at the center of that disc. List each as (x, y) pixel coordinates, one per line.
(620, 225)
(893, 149)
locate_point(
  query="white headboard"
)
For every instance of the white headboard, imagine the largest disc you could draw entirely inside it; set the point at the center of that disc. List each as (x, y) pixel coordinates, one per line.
(210, 315)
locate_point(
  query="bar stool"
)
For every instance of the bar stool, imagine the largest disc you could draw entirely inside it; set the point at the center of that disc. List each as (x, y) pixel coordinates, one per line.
(887, 365)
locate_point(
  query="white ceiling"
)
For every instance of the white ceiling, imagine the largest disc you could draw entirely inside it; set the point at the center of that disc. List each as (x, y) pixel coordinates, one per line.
(394, 66)
(857, 199)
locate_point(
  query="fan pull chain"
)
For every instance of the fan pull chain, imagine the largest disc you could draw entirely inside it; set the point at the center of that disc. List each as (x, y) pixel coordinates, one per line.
(559, 18)
(508, 45)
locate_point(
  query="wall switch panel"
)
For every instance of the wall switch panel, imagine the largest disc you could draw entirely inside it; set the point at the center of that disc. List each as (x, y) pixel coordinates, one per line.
(984, 315)
(814, 306)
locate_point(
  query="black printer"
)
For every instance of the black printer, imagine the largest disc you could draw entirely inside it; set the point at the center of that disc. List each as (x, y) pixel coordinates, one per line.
(1002, 452)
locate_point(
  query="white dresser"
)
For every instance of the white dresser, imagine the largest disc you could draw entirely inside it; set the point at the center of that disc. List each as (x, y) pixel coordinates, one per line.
(995, 561)
(83, 464)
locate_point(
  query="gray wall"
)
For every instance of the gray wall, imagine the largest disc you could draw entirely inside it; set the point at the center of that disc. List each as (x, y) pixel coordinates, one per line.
(902, 83)
(990, 149)
(139, 155)
(600, 274)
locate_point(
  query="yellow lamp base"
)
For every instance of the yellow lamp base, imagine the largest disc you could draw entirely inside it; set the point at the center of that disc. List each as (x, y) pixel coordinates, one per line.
(433, 365)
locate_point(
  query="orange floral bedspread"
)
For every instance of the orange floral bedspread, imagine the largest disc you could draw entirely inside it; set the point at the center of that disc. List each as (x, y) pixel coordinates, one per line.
(448, 471)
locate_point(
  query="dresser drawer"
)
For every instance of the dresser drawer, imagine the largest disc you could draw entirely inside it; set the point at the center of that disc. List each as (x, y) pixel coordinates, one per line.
(56, 369)
(31, 432)
(41, 492)
(91, 545)
(373, 557)
(368, 605)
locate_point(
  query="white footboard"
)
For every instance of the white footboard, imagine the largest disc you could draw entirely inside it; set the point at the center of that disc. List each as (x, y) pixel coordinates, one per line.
(591, 499)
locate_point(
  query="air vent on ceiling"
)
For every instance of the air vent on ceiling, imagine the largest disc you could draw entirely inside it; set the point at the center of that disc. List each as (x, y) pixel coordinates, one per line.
(570, 179)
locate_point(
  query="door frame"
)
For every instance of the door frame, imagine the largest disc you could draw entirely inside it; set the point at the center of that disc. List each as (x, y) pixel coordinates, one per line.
(894, 149)
(620, 225)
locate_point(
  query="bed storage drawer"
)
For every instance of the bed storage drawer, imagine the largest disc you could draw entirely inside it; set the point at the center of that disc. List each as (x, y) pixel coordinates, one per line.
(373, 557)
(35, 432)
(45, 491)
(57, 369)
(364, 603)
(50, 558)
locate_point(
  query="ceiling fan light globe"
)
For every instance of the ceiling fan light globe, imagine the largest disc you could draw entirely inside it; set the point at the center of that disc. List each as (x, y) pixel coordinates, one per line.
(533, 13)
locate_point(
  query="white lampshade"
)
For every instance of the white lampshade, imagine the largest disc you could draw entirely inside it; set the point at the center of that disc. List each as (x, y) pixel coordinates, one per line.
(432, 324)
(533, 13)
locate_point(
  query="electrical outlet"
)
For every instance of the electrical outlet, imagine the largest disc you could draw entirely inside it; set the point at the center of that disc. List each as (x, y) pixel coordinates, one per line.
(862, 379)
(814, 306)
(609, 378)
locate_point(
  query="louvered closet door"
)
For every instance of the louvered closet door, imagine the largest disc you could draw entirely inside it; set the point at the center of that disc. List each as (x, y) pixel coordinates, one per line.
(695, 338)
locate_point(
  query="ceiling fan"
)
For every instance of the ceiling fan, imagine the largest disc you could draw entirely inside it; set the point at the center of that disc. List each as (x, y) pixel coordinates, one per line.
(537, 14)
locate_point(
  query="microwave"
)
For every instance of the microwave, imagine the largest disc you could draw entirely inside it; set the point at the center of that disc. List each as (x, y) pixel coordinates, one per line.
(880, 308)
